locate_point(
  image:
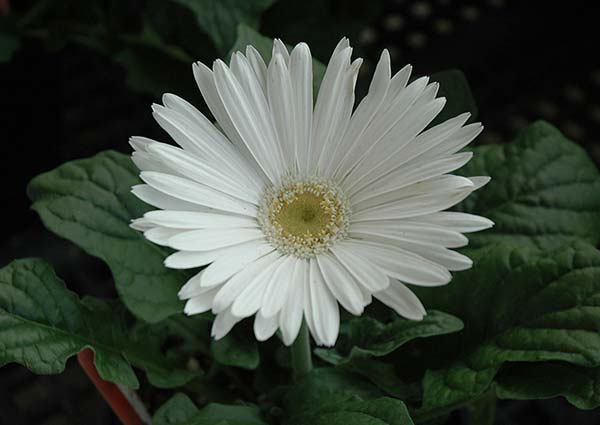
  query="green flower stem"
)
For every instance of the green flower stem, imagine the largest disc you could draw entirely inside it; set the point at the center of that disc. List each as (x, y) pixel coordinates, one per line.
(301, 353)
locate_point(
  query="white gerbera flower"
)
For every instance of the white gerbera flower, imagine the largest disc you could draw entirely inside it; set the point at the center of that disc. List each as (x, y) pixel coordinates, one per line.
(295, 209)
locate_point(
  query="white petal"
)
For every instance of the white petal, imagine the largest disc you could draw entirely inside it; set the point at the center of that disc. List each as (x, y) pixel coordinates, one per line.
(386, 187)
(192, 259)
(209, 239)
(403, 131)
(192, 287)
(417, 200)
(331, 106)
(302, 80)
(456, 142)
(258, 65)
(235, 259)
(264, 327)
(280, 49)
(459, 222)
(197, 220)
(234, 286)
(250, 299)
(341, 283)
(365, 111)
(235, 184)
(402, 231)
(480, 181)
(161, 235)
(196, 193)
(281, 103)
(151, 196)
(398, 297)
(325, 315)
(290, 318)
(365, 272)
(248, 110)
(451, 260)
(223, 323)
(277, 290)
(201, 303)
(401, 264)
(141, 224)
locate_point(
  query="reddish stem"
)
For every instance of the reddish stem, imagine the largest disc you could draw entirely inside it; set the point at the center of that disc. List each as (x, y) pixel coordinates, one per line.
(111, 392)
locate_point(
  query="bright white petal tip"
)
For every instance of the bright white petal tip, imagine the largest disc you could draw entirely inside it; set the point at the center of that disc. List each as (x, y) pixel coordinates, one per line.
(294, 211)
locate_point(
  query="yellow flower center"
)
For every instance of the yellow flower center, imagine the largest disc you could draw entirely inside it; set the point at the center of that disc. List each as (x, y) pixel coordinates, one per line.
(303, 217)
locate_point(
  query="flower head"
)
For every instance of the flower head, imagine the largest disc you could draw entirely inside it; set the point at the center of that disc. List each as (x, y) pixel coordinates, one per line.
(296, 209)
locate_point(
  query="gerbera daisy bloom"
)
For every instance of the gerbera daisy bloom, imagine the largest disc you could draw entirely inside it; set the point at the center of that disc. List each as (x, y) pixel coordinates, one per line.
(296, 209)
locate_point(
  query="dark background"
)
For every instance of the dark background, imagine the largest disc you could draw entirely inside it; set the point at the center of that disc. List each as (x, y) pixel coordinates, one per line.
(524, 61)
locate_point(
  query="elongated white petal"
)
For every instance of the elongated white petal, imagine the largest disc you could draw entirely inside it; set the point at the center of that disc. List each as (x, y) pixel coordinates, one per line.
(192, 259)
(281, 103)
(209, 239)
(459, 222)
(141, 224)
(480, 181)
(197, 220)
(280, 49)
(403, 265)
(200, 303)
(235, 259)
(302, 80)
(258, 65)
(250, 299)
(341, 284)
(398, 297)
(265, 327)
(400, 230)
(161, 235)
(366, 273)
(290, 318)
(151, 196)
(231, 290)
(196, 193)
(192, 287)
(223, 323)
(276, 293)
(324, 312)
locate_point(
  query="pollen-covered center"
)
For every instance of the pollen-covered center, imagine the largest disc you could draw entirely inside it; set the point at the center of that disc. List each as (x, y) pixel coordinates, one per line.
(303, 216)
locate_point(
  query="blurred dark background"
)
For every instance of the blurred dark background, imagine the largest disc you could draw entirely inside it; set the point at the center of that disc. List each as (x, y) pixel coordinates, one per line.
(64, 98)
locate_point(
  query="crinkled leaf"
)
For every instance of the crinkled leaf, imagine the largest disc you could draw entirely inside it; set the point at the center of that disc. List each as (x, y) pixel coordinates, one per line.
(517, 305)
(220, 18)
(237, 348)
(180, 410)
(42, 324)
(544, 189)
(579, 385)
(264, 45)
(89, 202)
(455, 88)
(367, 337)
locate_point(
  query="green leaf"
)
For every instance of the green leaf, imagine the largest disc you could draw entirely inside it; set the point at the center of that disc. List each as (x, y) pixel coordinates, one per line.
(517, 305)
(381, 411)
(577, 384)
(89, 202)
(367, 337)
(180, 410)
(247, 36)
(237, 348)
(334, 396)
(455, 88)
(43, 324)
(544, 189)
(220, 18)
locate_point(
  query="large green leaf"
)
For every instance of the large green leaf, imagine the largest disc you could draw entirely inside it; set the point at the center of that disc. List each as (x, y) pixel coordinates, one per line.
(334, 396)
(89, 202)
(247, 36)
(455, 88)
(544, 189)
(42, 324)
(367, 337)
(180, 410)
(220, 18)
(579, 385)
(517, 305)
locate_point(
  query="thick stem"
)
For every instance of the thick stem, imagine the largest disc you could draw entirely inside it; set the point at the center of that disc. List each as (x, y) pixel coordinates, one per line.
(301, 353)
